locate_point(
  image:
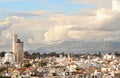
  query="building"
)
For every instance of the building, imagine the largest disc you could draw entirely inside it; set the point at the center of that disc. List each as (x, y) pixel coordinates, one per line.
(18, 49)
(9, 57)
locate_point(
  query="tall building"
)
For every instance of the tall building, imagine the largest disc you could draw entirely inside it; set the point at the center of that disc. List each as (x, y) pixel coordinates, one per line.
(18, 49)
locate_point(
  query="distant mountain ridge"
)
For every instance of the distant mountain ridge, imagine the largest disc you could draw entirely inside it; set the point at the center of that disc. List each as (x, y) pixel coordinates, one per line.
(80, 47)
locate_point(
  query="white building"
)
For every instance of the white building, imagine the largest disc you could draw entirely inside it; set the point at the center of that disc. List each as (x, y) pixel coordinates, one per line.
(109, 57)
(9, 57)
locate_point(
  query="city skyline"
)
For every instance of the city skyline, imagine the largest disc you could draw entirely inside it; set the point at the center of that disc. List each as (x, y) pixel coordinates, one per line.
(42, 23)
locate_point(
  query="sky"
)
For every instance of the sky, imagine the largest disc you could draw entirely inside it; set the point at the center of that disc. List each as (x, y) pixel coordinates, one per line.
(48, 22)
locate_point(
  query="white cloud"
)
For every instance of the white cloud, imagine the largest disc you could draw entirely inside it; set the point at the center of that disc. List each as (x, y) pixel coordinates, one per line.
(98, 3)
(54, 27)
(116, 5)
(57, 33)
(101, 25)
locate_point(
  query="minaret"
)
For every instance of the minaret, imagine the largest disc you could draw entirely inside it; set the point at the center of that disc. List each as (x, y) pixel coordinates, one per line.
(69, 57)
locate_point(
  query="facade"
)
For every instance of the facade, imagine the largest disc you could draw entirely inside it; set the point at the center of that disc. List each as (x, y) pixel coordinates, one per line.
(18, 49)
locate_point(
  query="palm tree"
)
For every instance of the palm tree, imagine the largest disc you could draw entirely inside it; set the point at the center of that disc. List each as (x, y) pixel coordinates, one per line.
(7, 63)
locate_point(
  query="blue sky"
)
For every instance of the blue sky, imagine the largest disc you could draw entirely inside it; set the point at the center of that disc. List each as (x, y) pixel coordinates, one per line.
(50, 5)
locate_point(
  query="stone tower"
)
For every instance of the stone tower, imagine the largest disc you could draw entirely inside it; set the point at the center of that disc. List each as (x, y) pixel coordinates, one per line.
(18, 49)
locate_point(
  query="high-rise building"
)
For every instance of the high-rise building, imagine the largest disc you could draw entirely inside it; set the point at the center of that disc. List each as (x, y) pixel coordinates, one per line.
(18, 49)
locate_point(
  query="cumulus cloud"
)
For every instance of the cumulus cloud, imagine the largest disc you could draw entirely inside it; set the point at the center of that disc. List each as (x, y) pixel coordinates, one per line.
(57, 33)
(5, 24)
(116, 5)
(55, 27)
(101, 25)
(30, 30)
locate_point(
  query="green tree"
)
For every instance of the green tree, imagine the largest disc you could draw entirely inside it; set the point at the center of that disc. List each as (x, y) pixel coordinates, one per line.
(35, 55)
(52, 54)
(26, 53)
(7, 63)
(27, 65)
(42, 64)
(2, 54)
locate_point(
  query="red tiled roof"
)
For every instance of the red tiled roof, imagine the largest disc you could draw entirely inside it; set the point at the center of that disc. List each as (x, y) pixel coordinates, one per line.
(22, 69)
(31, 68)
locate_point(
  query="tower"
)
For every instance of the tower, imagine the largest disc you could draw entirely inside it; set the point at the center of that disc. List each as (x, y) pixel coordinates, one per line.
(18, 49)
(14, 42)
(69, 57)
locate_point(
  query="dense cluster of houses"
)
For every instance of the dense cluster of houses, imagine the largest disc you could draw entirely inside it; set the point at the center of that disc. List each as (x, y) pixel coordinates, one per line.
(107, 66)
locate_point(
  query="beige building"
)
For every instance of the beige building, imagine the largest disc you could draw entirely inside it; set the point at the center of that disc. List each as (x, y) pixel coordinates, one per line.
(18, 49)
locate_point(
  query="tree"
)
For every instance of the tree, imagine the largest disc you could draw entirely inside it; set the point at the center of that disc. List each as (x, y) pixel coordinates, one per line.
(44, 55)
(42, 64)
(63, 54)
(2, 54)
(35, 55)
(7, 63)
(117, 53)
(100, 54)
(27, 55)
(52, 54)
(27, 65)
